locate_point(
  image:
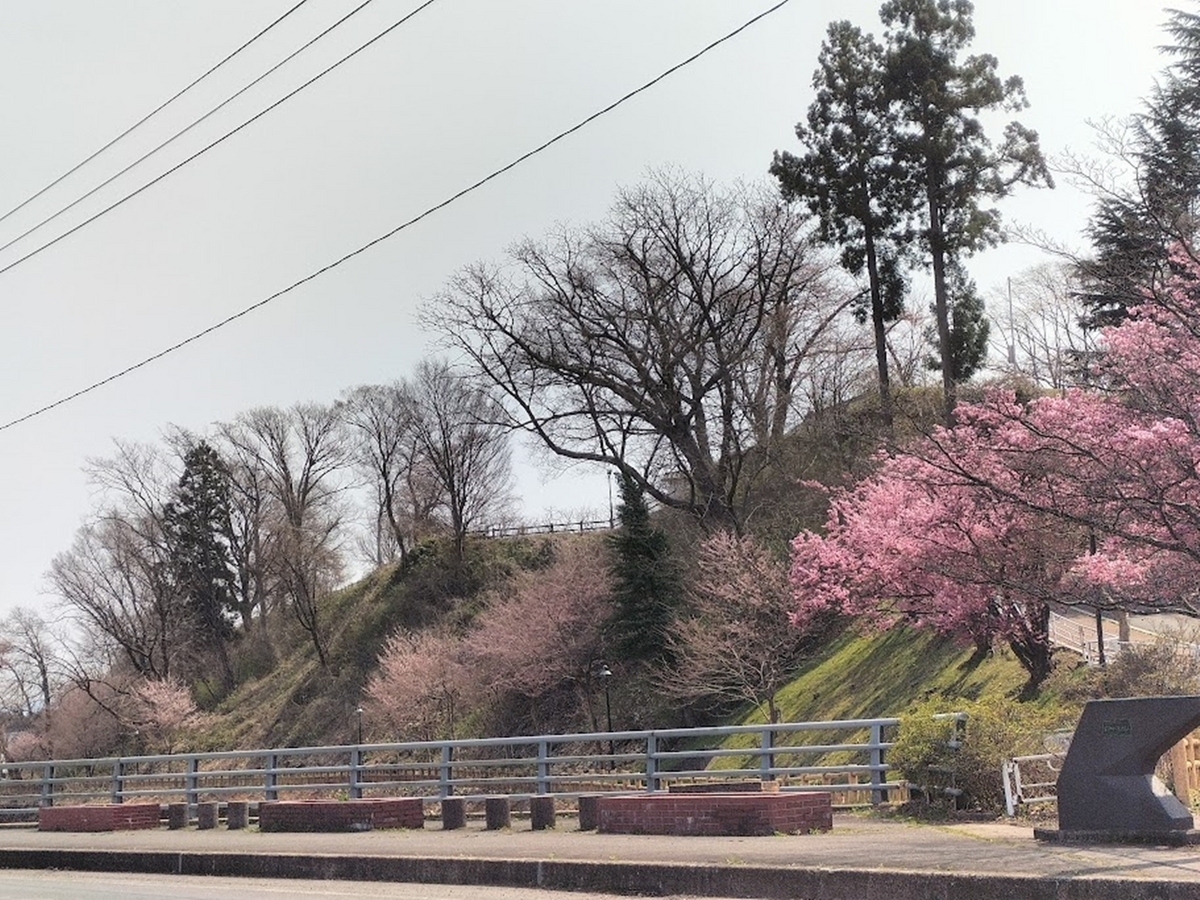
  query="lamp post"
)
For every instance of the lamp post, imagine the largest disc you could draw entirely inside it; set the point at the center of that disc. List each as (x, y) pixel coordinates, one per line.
(605, 674)
(359, 713)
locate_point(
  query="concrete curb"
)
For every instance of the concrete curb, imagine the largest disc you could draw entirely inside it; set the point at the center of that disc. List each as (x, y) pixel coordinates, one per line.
(767, 882)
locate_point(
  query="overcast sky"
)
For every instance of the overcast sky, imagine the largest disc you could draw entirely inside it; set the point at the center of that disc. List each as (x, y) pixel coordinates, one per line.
(460, 90)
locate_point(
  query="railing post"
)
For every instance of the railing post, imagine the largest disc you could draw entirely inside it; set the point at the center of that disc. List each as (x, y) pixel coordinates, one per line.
(651, 763)
(543, 767)
(766, 760)
(191, 782)
(118, 781)
(1008, 768)
(878, 791)
(271, 777)
(445, 774)
(48, 784)
(355, 773)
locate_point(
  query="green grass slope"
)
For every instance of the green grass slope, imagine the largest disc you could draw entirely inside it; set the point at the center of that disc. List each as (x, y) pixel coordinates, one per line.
(862, 674)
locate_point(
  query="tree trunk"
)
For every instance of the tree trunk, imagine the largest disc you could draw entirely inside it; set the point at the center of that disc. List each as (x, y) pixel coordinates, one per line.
(877, 325)
(941, 302)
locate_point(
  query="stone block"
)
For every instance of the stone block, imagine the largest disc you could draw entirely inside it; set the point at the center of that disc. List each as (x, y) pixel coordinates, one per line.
(237, 814)
(589, 812)
(541, 813)
(454, 813)
(177, 816)
(206, 815)
(497, 813)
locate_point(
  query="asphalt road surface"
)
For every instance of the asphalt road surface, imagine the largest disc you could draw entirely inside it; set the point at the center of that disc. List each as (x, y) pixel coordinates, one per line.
(38, 885)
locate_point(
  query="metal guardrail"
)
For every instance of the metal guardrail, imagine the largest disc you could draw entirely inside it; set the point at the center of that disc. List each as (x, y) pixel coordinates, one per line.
(576, 527)
(565, 765)
(1030, 780)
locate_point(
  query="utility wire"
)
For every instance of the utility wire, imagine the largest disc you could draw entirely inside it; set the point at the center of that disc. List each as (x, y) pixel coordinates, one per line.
(147, 117)
(141, 159)
(399, 228)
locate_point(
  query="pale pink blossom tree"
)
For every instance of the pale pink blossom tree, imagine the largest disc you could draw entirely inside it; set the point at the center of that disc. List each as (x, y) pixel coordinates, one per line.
(161, 710)
(735, 643)
(539, 635)
(544, 631)
(419, 690)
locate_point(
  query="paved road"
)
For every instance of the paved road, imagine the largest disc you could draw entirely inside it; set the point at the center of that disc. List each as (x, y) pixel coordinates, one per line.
(25, 885)
(863, 858)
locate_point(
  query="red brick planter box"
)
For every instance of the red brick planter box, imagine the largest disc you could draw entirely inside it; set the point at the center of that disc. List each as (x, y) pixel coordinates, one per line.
(716, 814)
(117, 817)
(341, 815)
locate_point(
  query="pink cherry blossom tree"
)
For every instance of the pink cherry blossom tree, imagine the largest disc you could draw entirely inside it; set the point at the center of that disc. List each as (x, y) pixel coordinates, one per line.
(1119, 461)
(913, 544)
(1090, 497)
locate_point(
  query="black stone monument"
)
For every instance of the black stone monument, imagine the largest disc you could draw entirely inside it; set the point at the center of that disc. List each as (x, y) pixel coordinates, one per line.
(1107, 789)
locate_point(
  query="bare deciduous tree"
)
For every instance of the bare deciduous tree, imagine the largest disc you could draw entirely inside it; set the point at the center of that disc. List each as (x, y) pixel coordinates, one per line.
(116, 580)
(667, 341)
(384, 421)
(464, 443)
(1043, 339)
(30, 660)
(300, 453)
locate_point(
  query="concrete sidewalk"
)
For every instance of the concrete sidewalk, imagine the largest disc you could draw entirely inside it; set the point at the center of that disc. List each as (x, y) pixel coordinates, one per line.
(863, 858)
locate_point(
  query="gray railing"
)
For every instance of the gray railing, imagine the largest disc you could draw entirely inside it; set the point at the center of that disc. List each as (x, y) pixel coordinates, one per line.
(564, 765)
(579, 526)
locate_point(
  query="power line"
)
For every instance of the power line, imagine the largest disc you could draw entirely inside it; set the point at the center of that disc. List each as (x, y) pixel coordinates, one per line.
(71, 171)
(393, 232)
(179, 134)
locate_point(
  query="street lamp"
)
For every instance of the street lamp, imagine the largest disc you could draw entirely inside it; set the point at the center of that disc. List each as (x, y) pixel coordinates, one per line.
(359, 713)
(605, 674)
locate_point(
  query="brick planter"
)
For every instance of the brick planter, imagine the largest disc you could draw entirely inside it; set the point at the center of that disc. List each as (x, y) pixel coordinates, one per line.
(117, 817)
(716, 814)
(341, 815)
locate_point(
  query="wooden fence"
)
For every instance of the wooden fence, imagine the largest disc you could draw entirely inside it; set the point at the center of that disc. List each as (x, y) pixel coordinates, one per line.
(1185, 772)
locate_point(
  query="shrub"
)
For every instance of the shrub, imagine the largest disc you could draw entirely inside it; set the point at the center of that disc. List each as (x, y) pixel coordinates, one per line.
(1166, 667)
(926, 752)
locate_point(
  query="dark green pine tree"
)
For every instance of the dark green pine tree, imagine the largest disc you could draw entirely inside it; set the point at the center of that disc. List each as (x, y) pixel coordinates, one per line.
(937, 93)
(850, 179)
(1133, 232)
(198, 528)
(969, 328)
(646, 586)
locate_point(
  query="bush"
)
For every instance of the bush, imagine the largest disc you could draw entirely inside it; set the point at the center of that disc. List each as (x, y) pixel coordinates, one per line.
(1166, 667)
(926, 754)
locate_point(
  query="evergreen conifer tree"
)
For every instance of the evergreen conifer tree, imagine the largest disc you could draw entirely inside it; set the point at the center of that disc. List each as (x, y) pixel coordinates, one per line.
(646, 586)
(198, 527)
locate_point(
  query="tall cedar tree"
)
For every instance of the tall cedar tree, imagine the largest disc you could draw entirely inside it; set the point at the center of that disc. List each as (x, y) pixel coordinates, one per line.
(849, 178)
(645, 585)
(198, 525)
(969, 328)
(937, 97)
(1132, 232)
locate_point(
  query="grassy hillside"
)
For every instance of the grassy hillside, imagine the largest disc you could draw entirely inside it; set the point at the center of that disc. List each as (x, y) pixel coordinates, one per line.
(289, 699)
(284, 696)
(869, 674)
